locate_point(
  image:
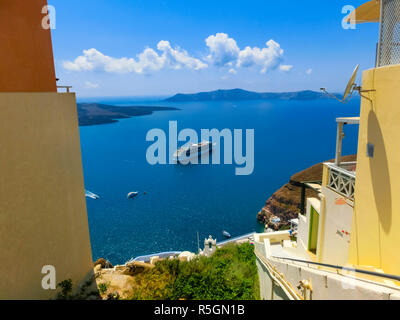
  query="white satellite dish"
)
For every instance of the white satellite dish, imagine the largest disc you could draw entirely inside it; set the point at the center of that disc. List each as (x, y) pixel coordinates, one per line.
(350, 88)
(351, 85)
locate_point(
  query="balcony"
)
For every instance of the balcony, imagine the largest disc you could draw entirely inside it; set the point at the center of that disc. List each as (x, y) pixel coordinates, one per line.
(342, 179)
(341, 176)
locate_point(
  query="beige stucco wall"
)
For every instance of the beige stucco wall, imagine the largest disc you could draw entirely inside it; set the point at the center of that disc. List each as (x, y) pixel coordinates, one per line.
(302, 233)
(43, 219)
(338, 218)
(375, 235)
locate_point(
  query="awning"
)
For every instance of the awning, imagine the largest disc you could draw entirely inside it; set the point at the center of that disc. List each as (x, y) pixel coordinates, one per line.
(368, 12)
(351, 120)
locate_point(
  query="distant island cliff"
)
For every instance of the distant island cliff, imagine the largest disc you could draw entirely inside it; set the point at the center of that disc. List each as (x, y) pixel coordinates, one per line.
(239, 94)
(91, 114)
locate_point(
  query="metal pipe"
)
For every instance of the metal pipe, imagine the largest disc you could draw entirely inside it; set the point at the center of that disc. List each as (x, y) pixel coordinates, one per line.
(303, 199)
(339, 139)
(278, 278)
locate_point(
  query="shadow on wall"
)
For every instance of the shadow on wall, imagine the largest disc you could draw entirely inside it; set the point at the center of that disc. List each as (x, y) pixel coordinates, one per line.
(380, 173)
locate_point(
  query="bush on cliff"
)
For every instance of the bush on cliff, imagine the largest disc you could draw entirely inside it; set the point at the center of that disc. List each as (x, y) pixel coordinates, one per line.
(230, 274)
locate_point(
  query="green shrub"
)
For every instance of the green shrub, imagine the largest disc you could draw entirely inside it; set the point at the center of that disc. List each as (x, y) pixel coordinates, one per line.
(230, 274)
(103, 287)
(66, 289)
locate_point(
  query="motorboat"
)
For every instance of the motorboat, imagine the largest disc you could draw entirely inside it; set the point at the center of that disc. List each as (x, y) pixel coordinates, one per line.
(132, 195)
(226, 234)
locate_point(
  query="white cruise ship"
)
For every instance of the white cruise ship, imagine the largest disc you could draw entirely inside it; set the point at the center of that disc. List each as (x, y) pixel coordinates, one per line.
(195, 150)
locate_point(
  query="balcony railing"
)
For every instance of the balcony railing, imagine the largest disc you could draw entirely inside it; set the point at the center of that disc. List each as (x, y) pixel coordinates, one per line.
(66, 88)
(342, 179)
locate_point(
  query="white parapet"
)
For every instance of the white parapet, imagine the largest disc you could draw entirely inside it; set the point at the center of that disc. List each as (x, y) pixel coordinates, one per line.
(273, 237)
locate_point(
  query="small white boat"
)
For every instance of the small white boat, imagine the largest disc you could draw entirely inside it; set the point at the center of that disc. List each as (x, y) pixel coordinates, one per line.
(226, 234)
(91, 195)
(132, 195)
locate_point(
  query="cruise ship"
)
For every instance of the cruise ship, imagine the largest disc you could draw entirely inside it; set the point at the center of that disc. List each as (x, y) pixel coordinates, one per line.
(184, 154)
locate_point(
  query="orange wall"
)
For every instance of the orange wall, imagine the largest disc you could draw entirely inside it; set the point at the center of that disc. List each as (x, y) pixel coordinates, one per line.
(26, 54)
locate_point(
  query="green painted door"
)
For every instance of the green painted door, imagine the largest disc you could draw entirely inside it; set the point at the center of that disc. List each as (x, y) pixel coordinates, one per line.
(313, 232)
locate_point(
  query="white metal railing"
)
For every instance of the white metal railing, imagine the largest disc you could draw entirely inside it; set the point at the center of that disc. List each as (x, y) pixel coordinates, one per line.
(278, 278)
(67, 88)
(342, 179)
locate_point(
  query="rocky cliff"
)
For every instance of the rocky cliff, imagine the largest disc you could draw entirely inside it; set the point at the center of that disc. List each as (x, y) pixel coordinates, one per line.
(91, 114)
(285, 203)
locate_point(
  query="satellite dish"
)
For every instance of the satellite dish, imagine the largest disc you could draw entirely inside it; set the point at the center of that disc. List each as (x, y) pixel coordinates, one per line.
(351, 87)
(351, 84)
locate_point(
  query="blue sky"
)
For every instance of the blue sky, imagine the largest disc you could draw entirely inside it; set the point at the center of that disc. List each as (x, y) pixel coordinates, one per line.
(310, 49)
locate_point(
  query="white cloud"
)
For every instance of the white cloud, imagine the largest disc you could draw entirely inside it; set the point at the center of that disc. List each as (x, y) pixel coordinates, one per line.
(223, 50)
(147, 61)
(232, 71)
(178, 58)
(266, 58)
(91, 85)
(309, 71)
(285, 67)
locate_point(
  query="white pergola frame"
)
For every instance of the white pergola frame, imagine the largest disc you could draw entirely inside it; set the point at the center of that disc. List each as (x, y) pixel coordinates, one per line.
(340, 136)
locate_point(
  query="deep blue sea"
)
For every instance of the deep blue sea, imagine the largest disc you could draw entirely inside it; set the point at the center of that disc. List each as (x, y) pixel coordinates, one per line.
(183, 200)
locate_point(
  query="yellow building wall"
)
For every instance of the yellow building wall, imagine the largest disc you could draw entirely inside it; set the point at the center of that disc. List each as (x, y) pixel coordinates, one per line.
(43, 219)
(375, 234)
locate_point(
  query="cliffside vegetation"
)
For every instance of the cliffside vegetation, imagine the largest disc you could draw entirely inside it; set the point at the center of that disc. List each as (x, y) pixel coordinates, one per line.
(230, 274)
